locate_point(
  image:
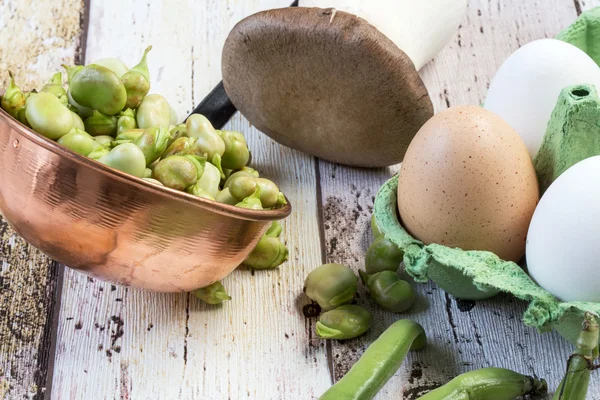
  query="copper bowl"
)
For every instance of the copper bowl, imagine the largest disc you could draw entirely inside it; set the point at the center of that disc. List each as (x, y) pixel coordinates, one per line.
(114, 226)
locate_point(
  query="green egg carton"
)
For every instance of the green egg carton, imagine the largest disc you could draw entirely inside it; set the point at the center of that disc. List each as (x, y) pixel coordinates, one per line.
(573, 134)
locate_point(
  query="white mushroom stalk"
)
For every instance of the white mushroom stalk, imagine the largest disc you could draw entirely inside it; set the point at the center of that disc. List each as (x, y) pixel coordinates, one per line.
(419, 28)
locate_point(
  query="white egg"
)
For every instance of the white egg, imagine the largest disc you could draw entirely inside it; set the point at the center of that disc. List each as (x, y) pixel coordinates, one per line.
(563, 243)
(419, 28)
(525, 89)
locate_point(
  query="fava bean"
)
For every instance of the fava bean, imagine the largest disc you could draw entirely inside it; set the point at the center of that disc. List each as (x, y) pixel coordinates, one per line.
(98, 88)
(331, 285)
(48, 116)
(137, 82)
(127, 158)
(345, 322)
(154, 110)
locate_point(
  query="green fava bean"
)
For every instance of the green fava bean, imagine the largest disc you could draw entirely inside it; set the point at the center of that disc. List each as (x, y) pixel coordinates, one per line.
(242, 187)
(104, 140)
(13, 99)
(55, 87)
(126, 157)
(126, 121)
(183, 146)
(226, 198)
(389, 291)
(154, 110)
(331, 285)
(213, 294)
(345, 322)
(246, 171)
(177, 132)
(153, 142)
(148, 173)
(114, 64)
(101, 125)
(375, 228)
(48, 116)
(236, 153)
(179, 172)
(269, 253)
(208, 184)
(252, 202)
(208, 140)
(79, 141)
(99, 153)
(98, 88)
(152, 180)
(77, 121)
(137, 82)
(129, 135)
(274, 230)
(383, 255)
(84, 112)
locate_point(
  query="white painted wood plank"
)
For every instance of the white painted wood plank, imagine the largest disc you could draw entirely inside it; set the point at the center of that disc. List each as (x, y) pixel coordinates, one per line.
(33, 47)
(463, 335)
(125, 342)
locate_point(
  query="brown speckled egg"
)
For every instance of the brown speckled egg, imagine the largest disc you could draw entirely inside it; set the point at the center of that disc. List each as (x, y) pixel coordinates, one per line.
(468, 181)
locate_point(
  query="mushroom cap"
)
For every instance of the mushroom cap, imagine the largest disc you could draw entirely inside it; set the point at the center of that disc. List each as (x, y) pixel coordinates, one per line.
(327, 83)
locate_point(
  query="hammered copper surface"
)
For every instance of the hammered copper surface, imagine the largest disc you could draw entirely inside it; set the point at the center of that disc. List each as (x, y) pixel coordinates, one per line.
(116, 227)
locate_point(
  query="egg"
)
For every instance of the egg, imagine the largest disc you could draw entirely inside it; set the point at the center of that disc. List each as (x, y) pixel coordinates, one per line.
(467, 181)
(525, 89)
(563, 243)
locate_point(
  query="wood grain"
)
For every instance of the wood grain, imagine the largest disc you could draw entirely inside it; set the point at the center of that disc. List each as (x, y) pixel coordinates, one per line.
(463, 335)
(117, 342)
(29, 280)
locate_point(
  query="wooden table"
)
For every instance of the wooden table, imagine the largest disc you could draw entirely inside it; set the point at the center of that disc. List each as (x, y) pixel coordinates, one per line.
(69, 336)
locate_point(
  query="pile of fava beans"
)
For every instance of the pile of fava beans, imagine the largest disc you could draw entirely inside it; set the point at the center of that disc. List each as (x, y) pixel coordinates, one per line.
(106, 114)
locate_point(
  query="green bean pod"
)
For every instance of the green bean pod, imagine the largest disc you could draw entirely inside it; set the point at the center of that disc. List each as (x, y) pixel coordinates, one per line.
(226, 198)
(345, 322)
(389, 291)
(208, 140)
(213, 294)
(236, 153)
(98, 88)
(55, 86)
(100, 124)
(137, 82)
(154, 110)
(383, 255)
(488, 384)
(79, 141)
(153, 142)
(48, 116)
(13, 99)
(331, 285)
(378, 363)
(126, 120)
(269, 253)
(252, 202)
(574, 386)
(114, 64)
(178, 172)
(208, 184)
(127, 158)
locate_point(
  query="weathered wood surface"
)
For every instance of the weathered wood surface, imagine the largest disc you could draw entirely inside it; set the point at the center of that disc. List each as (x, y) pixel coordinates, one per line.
(115, 342)
(122, 342)
(28, 279)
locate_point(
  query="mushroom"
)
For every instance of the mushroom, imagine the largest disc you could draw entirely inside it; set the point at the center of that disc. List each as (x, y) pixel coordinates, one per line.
(325, 82)
(419, 28)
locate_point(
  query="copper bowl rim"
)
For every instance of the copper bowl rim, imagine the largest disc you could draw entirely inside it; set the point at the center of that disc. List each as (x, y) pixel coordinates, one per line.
(172, 194)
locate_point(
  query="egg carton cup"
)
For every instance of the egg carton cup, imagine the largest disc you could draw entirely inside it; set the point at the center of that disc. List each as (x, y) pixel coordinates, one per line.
(573, 134)
(476, 275)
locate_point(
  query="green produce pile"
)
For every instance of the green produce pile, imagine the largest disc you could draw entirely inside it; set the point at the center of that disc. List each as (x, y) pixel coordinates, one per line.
(105, 113)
